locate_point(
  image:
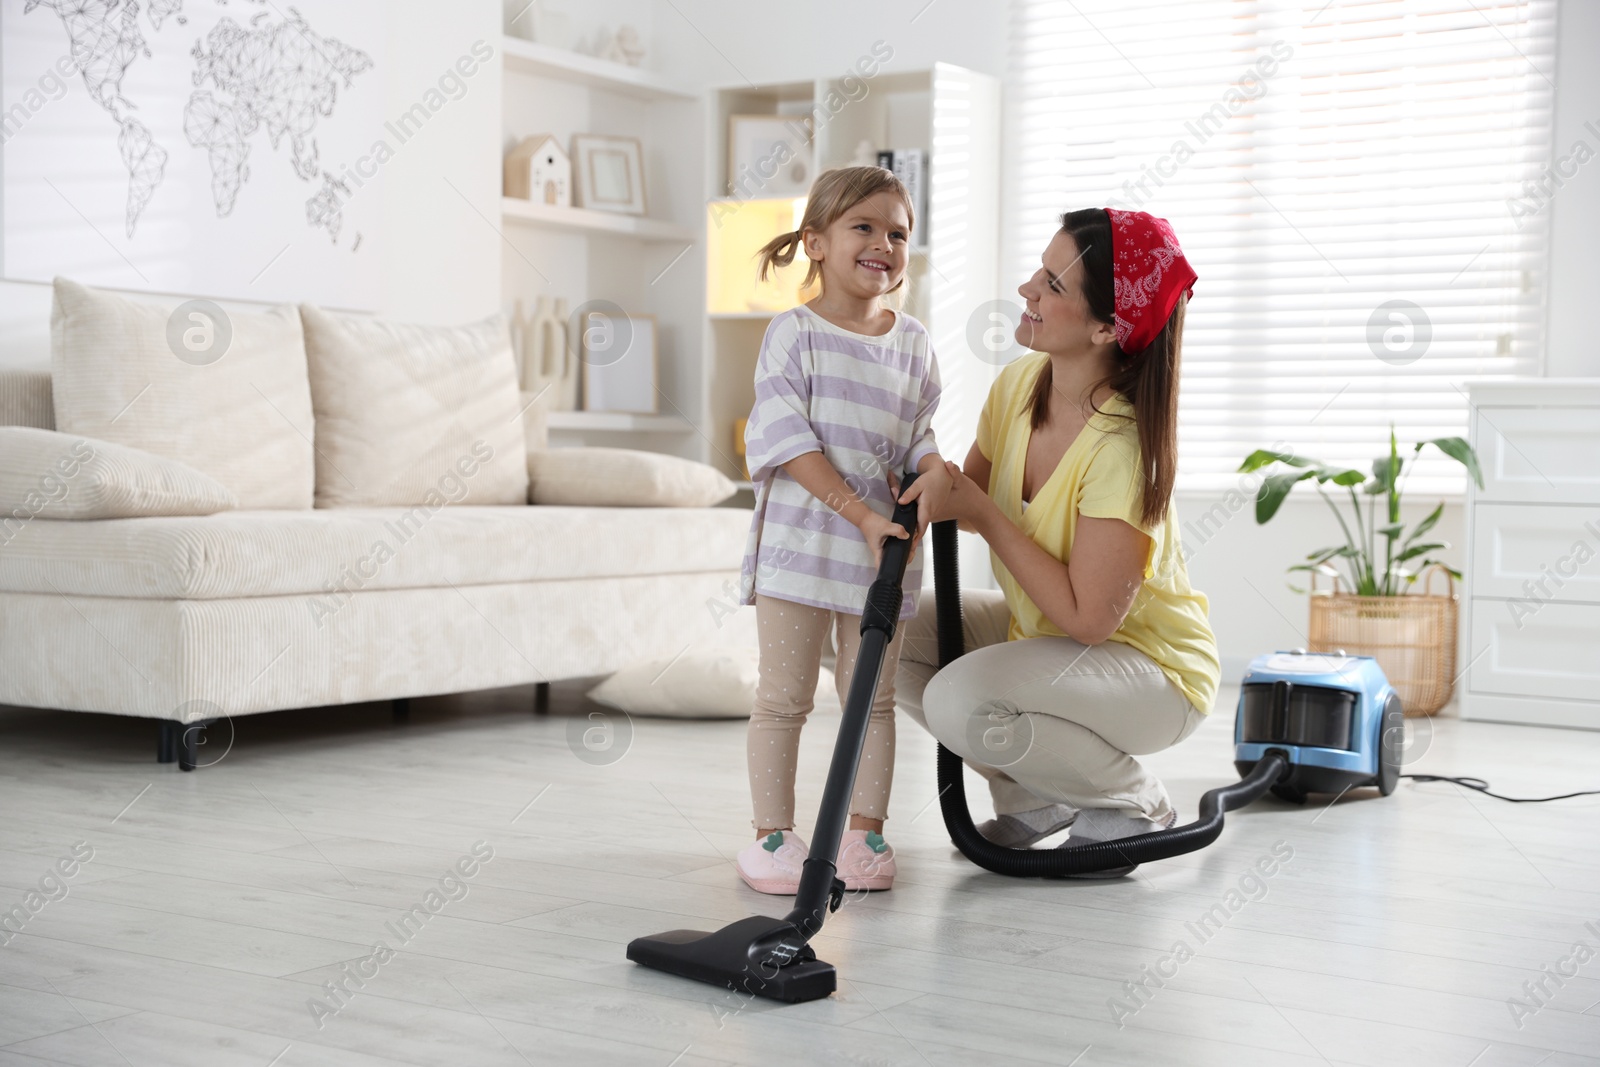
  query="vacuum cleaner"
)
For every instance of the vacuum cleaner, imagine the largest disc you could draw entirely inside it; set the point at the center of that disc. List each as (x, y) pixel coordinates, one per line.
(1306, 723)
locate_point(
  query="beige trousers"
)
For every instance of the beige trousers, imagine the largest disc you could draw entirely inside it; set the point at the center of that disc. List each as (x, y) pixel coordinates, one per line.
(1045, 719)
(791, 639)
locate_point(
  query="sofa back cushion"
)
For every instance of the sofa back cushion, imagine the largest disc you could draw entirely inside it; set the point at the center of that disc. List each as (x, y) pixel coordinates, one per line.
(25, 399)
(623, 477)
(410, 414)
(225, 393)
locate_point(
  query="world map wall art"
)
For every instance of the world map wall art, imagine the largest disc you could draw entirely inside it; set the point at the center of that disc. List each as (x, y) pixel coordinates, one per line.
(194, 146)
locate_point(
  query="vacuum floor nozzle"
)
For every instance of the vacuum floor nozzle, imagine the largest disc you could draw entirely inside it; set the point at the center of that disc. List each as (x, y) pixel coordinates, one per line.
(744, 956)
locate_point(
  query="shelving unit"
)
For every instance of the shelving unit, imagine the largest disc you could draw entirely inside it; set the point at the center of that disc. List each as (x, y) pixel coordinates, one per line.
(648, 265)
(529, 57)
(1531, 610)
(583, 220)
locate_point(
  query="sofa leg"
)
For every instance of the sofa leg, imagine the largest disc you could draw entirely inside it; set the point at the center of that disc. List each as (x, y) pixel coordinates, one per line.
(167, 731)
(190, 738)
(541, 697)
(401, 708)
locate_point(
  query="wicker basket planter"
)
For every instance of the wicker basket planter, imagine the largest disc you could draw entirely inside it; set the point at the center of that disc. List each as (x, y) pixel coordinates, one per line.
(1413, 637)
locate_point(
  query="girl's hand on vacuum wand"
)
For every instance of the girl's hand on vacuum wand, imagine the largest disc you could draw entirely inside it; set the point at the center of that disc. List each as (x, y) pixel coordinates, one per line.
(876, 529)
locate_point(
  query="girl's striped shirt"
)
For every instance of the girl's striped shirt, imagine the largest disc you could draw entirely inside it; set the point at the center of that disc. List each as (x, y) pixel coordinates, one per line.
(867, 404)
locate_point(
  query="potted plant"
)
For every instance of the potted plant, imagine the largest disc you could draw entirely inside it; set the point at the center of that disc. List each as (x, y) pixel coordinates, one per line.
(1413, 637)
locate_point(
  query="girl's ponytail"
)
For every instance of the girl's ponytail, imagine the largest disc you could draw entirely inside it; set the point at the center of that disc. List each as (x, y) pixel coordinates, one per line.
(778, 252)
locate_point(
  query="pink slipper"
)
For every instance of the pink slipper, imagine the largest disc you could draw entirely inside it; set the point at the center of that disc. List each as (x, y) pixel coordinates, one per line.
(772, 864)
(865, 860)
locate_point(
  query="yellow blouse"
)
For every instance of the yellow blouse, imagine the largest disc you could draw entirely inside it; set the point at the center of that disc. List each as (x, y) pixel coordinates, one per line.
(1099, 476)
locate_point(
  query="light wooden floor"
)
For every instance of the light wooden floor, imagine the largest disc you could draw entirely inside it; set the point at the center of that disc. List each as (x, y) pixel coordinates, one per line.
(217, 902)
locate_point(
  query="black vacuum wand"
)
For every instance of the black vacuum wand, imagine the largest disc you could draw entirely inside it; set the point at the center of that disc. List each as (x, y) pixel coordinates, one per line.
(770, 957)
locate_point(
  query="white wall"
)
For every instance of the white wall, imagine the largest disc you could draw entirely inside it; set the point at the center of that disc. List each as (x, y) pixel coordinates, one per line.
(716, 42)
(442, 261)
(444, 264)
(1572, 350)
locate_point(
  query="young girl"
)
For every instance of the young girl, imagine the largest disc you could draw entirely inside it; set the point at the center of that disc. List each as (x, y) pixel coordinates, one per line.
(845, 394)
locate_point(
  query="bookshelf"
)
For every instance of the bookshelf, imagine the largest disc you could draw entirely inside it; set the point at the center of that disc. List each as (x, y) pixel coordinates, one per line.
(647, 265)
(949, 111)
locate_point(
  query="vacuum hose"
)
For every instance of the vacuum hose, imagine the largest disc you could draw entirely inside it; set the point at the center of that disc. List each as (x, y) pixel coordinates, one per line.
(1078, 859)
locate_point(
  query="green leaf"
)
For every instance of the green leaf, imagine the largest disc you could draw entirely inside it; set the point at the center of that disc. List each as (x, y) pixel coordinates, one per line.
(1392, 530)
(1425, 564)
(1425, 525)
(1273, 492)
(1459, 450)
(1394, 476)
(1417, 550)
(1263, 457)
(1348, 476)
(1384, 471)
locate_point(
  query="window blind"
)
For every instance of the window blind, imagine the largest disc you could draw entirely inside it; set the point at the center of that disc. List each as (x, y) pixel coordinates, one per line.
(1361, 185)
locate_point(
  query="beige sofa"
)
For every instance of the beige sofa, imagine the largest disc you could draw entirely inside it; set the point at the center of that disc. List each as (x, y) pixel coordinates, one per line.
(191, 618)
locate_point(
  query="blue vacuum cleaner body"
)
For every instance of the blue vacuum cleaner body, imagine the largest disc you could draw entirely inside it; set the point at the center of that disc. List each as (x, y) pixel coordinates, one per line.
(1334, 717)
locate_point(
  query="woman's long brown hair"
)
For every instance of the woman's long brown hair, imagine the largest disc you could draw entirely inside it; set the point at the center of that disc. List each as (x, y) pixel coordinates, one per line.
(1148, 379)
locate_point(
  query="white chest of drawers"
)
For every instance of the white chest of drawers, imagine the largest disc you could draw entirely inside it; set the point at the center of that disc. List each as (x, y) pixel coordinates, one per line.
(1531, 633)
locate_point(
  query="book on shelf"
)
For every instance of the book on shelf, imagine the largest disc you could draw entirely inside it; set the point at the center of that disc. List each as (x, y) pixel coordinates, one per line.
(910, 165)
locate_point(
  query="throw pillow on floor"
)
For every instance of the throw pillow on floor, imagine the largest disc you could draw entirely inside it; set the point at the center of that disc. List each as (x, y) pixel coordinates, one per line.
(715, 684)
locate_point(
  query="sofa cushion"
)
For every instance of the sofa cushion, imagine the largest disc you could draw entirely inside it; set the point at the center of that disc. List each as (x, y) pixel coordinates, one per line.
(406, 412)
(340, 552)
(63, 476)
(621, 477)
(717, 682)
(240, 413)
(25, 399)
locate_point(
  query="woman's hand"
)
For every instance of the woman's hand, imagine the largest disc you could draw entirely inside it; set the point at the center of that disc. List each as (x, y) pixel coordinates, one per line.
(930, 491)
(965, 502)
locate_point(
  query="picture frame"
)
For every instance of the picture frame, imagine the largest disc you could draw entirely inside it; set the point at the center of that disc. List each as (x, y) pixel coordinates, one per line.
(610, 173)
(619, 361)
(770, 155)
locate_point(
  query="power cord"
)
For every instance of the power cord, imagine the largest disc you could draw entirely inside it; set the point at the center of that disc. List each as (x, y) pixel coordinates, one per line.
(1483, 787)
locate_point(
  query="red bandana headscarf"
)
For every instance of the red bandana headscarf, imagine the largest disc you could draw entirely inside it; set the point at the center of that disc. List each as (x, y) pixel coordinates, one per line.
(1149, 273)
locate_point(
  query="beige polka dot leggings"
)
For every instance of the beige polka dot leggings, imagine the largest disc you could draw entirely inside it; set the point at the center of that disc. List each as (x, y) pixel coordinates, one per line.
(791, 637)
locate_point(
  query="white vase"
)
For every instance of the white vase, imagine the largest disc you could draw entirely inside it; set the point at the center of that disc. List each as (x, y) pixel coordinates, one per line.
(551, 362)
(566, 361)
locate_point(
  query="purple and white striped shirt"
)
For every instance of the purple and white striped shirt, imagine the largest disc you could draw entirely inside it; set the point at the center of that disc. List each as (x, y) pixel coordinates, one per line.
(866, 403)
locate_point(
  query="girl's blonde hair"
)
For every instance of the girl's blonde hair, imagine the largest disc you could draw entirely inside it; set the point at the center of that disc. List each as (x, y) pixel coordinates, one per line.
(832, 194)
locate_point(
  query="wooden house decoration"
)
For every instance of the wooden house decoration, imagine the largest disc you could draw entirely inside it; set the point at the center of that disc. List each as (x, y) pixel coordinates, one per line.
(539, 169)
